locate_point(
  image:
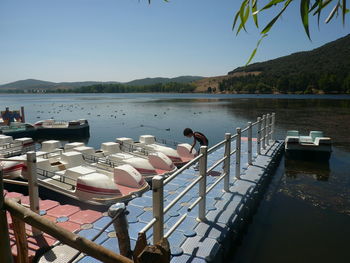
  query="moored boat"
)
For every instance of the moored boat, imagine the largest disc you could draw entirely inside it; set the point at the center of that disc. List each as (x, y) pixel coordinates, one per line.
(12, 147)
(51, 127)
(313, 147)
(68, 174)
(147, 144)
(110, 155)
(18, 129)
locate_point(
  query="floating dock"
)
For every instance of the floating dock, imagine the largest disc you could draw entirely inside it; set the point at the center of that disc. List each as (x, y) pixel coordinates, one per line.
(200, 212)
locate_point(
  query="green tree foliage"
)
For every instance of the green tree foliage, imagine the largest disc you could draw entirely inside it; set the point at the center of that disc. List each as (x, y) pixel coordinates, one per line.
(250, 9)
(322, 70)
(120, 88)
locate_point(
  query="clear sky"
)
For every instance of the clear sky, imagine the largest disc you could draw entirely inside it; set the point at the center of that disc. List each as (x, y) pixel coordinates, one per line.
(122, 40)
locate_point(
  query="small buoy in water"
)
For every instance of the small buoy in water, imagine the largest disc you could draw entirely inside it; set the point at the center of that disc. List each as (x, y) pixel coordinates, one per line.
(167, 129)
(155, 115)
(141, 125)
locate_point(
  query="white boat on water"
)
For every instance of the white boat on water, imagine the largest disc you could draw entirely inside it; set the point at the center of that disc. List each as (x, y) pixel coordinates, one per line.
(110, 155)
(57, 128)
(315, 146)
(67, 173)
(147, 144)
(12, 147)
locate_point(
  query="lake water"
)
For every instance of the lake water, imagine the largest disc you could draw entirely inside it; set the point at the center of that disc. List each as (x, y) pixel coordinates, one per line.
(305, 214)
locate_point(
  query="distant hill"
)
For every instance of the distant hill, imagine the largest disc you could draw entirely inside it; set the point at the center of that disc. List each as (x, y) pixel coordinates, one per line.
(323, 70)
(151, 81)
(32, 84)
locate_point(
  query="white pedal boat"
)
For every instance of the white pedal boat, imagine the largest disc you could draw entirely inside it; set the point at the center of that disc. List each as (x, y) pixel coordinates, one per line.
(110, 155)
(147, 144)
(68, 174)
(12, 147)
(315, 146)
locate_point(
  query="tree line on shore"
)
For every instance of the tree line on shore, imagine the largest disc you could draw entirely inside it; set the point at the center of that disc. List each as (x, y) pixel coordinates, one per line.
(296, 83)
(172, 87)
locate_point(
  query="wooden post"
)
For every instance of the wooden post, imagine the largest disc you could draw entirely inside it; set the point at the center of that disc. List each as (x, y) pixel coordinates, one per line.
(158, 207)
(21, 237)
(258, 139)
(227, 161)
(73, 240)
(238, 154)
(120, 224)
(202, 183)
(22, 115)
(158, 253)
(33, 186)
(5, 248)
(250, 145)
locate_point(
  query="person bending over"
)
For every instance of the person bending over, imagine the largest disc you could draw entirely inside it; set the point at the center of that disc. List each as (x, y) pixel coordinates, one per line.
(197, 136)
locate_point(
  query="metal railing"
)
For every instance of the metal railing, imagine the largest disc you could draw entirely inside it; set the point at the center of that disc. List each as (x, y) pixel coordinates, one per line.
(264, 130)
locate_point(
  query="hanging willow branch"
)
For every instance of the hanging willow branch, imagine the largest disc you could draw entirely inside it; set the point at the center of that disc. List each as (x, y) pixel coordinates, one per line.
(307, 8)
(249, 8)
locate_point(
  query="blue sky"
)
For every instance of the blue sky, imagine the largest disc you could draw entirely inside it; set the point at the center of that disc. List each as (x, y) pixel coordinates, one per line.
(122, 40)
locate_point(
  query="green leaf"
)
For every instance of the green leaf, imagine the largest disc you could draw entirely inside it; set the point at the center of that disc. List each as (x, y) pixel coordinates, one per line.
(256, 48)
(235, 20)
(344, 11)
(273, 21)
(331, 14)
(304, 12)
(243, 14)
(255, 15)
(271, 3)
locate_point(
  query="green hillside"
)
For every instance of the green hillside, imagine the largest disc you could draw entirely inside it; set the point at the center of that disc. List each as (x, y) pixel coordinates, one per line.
(33, 84)
(322, 70)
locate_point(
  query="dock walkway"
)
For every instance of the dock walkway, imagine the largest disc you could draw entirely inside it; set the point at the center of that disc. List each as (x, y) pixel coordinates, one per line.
(227, 212)
(201, 212)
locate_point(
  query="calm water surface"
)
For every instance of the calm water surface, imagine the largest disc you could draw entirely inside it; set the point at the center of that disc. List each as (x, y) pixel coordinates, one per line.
(305, 215)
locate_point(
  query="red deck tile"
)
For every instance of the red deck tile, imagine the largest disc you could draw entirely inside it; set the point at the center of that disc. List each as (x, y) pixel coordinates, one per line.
(63, 210)
(47, 204)
(25, 200)
(85, 216)
(13, 195)
(51, 218)
(70, 226)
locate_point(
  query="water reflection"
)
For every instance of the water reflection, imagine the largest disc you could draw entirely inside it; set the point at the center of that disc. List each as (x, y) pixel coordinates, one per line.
(320, 171)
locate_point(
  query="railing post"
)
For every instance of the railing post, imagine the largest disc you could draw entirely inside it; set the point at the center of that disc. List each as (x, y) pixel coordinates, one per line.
(33, 186)
(5, 248)
(158, 207)
(238, 153)
(250, 145)
(273, 126)
(227, 161)
(258, 139)
(267, 133)
(120, 223)
(202, 183)
(263, 131)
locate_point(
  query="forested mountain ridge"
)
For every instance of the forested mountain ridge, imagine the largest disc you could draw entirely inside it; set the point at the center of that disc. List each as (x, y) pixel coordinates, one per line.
(323, 70)
(34, 84)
